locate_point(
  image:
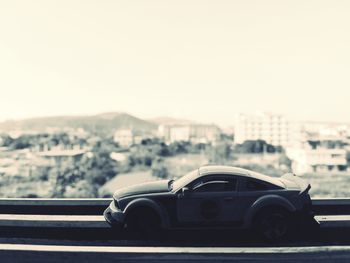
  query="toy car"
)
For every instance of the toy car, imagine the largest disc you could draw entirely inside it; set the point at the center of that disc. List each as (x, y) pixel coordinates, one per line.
(213, 197)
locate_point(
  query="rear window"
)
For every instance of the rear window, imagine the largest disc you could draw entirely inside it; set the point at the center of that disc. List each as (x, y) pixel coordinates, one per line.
(269, 179)
(255, 186)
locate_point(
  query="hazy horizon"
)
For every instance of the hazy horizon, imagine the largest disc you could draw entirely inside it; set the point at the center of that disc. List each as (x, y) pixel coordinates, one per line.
(178, 118)
(198, 60)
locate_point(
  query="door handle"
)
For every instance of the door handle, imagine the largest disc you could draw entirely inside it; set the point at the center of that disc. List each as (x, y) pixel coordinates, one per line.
(228, 199)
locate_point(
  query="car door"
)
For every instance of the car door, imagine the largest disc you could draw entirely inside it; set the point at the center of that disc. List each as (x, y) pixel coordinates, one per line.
(210, 200)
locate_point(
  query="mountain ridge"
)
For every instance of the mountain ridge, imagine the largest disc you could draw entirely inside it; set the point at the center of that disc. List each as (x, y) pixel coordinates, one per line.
(100, 123)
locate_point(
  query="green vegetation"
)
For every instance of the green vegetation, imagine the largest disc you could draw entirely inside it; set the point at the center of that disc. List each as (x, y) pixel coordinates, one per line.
(85, 175)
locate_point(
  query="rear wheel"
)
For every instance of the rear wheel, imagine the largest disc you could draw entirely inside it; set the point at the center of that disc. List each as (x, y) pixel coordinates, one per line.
(273, 224)
(145, 222)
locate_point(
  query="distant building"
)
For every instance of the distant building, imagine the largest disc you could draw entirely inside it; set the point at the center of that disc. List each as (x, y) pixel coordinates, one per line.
(314, 154)
(195, 133)
(20, 162)
(58, 156)
(179, 133)
(128, 137)
(323, 129)
(119, 156)
(272, 128)
(124, 137)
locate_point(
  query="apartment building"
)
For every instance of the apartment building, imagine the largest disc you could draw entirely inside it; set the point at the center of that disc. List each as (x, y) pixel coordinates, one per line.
(272, 128)
(316, 152)
(195, 133)
(310, 160)
(128, 137)
(124, 137)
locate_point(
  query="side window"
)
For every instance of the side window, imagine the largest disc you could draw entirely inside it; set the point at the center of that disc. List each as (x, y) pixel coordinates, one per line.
(213, 186)
(215, 183)
(252, 185)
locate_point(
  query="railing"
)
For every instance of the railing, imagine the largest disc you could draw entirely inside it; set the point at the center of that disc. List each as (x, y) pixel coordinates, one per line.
(96, 206)
(35, 253)
(17, 214)
(54, 206)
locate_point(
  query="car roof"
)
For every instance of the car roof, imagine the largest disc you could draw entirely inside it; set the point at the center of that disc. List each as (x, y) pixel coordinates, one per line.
(223, 169)
(214, 169)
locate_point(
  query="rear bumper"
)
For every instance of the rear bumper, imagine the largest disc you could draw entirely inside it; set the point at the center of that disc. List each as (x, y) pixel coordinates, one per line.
(114, 216)
(305, 220)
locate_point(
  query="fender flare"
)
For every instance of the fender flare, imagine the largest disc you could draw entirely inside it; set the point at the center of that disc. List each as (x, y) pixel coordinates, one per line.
(149, 203)
(267, 201)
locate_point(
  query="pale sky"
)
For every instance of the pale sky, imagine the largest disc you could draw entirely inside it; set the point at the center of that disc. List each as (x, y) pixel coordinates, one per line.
(200, 60)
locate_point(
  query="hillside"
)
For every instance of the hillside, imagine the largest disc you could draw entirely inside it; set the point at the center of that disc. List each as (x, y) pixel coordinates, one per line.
(170, 121)
(101, 123)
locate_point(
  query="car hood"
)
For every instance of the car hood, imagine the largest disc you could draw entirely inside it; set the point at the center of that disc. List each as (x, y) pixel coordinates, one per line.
(160, 186)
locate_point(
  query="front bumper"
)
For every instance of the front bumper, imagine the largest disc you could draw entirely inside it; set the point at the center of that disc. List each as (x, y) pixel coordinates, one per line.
(114, 216)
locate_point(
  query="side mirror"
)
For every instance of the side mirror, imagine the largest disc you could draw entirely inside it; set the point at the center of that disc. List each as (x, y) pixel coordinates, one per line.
(185, 191)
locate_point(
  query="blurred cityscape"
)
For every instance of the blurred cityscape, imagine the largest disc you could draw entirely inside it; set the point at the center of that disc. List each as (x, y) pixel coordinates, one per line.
(92, 156)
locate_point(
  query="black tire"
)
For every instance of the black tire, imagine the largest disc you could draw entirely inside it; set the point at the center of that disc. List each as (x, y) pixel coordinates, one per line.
(144, 221)
(273, 224)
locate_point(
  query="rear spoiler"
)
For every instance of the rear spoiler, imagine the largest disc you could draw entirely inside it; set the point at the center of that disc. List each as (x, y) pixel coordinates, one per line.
(303, 184)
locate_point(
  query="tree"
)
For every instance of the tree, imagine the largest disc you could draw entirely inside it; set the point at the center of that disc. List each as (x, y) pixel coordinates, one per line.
(63, 176)
(22, 142)
(81, 189)
(348, 158)
(256, 146)
(220, 154)
(100, 168)
(179, 147)
(285, 161)
(6, 140)
(159, 169)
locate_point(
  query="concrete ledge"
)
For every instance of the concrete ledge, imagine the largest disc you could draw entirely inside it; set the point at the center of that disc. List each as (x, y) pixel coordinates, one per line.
(175, 250)
(56, 221)
(332, 201)
(106, 201)
(96, 206)
(92, 221)
(336, 221)
(55, 201)
(45, 253)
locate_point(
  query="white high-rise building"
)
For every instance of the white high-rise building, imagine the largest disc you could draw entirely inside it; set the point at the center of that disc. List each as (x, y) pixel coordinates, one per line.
(272, 128)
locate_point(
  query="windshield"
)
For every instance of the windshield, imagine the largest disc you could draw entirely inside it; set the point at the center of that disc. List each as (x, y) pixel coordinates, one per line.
(184, 180)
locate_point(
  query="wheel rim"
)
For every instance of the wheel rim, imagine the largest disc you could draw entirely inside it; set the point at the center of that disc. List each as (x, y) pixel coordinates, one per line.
(274, 226)
(147, 224)
(143, 223)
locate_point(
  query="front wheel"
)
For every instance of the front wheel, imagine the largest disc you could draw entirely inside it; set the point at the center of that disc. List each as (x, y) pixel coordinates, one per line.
(145, 222)
(273, 224)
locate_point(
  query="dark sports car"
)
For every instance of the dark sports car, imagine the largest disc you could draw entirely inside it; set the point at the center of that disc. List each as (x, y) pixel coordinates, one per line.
(213, 197)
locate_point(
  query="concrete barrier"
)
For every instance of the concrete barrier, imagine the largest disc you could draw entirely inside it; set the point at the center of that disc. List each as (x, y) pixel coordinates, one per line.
(96, 206)
(54, 221)
(106, 201)
(334, 206)
(49, 253)
(92, 221)
(55, 201)
(334, 221)
(54, 206)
